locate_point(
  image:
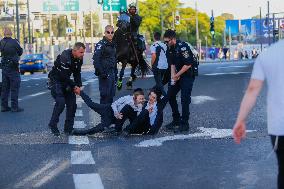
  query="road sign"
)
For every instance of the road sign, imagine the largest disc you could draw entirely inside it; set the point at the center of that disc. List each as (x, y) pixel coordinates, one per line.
(116, 5)
(69, 30)
(60, 5)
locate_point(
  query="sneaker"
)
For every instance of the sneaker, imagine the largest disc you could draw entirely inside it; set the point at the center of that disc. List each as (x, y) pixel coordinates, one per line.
(172, 125)
(182, 128)
(68, 131)
(54, 130)
(17, 110)
(7, 109)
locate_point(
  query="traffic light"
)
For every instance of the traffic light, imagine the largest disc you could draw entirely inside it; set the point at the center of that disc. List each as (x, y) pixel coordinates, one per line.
(212, 29)
(52, 41)
(177, 19)
(100, 2)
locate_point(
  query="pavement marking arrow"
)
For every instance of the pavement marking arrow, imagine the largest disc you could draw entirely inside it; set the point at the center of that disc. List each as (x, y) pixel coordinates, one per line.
(205, 133)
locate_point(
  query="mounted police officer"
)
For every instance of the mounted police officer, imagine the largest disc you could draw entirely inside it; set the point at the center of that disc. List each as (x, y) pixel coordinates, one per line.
(62, 86)
(135, 21)
(10, 52)
(105, 66)
(182, 78)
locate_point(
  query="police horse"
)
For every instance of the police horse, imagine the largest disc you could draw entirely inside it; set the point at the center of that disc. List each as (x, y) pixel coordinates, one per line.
(127, 52)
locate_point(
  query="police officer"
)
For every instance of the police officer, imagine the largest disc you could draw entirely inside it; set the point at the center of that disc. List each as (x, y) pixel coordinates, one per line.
(62, 86)
(105, 66)
(135, 20)
(182, 78)
(10, 52)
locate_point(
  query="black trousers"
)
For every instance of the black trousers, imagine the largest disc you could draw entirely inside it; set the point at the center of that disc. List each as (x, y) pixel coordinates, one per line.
(279, 146)
(141, 124)
(128, 113)
(161, 77)
(63, 98)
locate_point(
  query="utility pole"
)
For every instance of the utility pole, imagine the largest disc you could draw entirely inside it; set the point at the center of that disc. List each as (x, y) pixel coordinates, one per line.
(260, 18)
(198, 45)
(268, 22)
(111, 16)
(29, 24)
(17, 20)
(273, 27)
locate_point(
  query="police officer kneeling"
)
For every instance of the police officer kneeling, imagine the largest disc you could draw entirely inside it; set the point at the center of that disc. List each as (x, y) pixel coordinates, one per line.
(181, 60)
(10, 52)
(62, 86)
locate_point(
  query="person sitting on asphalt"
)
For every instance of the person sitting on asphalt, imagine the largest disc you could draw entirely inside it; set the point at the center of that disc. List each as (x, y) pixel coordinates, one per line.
(126, 107)
(150, 120)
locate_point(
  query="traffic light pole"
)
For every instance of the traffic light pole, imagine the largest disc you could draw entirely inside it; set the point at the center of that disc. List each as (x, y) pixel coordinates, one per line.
(17, 20)
(29, 24)
(213, 34)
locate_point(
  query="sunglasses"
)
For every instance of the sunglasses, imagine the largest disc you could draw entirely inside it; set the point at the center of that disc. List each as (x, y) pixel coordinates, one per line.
(167, 41)
(108, 32)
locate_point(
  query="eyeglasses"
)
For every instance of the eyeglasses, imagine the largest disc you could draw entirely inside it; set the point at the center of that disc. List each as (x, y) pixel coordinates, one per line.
(167, 41)
(108, 32)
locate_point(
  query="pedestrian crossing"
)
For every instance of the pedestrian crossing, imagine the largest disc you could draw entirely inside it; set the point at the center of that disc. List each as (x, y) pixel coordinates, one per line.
(83, 157)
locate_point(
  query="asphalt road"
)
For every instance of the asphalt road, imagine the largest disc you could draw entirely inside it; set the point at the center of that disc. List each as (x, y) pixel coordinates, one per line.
(32, 158)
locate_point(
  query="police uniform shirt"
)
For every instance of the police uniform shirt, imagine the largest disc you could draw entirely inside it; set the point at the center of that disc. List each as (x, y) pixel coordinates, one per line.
(160, 50)
(181, 55)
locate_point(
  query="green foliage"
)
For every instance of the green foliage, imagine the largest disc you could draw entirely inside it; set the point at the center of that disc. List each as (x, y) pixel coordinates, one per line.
(153, 10)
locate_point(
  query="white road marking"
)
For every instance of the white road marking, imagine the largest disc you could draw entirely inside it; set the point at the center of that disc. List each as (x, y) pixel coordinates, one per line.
(229, 73)
(205, 133)
(79, 113)
(79, 140)
(33, 95)
(88, 181)
(82, 157)
(37, 94)
(201, 99)
(79, 124)
(222, 67)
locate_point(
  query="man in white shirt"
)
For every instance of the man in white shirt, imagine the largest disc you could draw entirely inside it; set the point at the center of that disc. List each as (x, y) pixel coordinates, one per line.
(159, 62)
(269, 67)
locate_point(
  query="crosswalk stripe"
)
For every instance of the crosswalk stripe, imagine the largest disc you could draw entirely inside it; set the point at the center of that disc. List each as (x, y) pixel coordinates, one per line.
(79, 113)
(88, 181)
(82, 157)
(79, 124)
(78, 140)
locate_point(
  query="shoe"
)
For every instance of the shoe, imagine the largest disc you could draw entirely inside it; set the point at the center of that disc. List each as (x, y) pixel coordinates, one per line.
(172, 125)
(68, 131)
(17, 110)
(7, 109)
(54, 130)
(182, 128)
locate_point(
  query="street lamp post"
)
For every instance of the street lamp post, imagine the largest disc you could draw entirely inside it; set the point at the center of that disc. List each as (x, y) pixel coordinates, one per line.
(17, 20)
(29, 25)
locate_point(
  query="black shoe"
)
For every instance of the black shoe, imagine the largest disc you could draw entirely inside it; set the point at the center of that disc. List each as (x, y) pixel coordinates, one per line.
(54, 130)
(68, 131)
(7, 109)
(182, 128)
(172, 125)
(17, 109)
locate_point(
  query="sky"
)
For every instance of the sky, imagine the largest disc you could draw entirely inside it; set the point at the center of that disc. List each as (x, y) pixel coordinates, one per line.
(239, 8)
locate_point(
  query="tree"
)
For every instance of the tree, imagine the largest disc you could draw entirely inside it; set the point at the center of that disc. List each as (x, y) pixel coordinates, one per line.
(227, 16)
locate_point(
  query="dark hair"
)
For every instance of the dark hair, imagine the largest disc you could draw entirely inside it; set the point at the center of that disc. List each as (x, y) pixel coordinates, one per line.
(157, 36)
(137, 92)
(157, 91)
(170, 34)
(78, 45)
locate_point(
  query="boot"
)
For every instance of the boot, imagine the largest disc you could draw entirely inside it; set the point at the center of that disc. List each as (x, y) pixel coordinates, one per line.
(54, 130)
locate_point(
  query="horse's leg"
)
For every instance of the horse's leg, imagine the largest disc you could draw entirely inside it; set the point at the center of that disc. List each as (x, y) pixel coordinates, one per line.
(121, 74)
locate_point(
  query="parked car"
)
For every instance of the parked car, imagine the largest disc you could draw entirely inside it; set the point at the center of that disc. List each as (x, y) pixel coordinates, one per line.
(34, 63)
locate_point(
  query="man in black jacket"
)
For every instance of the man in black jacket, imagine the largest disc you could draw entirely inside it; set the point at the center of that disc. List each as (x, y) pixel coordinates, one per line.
(10, 52)
(105, 65)
(62, 86)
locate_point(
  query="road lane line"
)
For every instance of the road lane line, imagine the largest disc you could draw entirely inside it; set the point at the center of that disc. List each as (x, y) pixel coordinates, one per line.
(37, 94)
(229, 73)
(79, 124)
(88, 181)
(32, 95)
(79, 113)
(79, 140)
(82, 157)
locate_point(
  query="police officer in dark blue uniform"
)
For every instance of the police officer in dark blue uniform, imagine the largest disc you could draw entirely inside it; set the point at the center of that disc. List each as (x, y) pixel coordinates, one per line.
(105, 66)
(62, 86)
(182, 78)
(10, 52)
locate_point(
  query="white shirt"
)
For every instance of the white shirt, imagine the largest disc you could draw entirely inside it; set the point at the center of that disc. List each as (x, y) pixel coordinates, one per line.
(162, 63)
(269, 67)
(122, 101)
